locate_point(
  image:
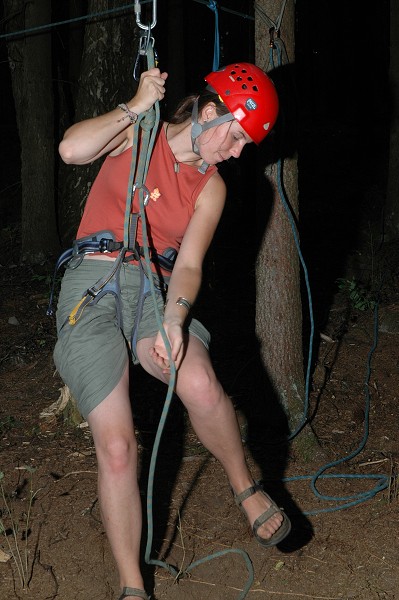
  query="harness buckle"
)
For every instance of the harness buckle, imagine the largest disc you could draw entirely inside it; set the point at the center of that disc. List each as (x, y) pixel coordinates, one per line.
(92, 292)
(108, 245)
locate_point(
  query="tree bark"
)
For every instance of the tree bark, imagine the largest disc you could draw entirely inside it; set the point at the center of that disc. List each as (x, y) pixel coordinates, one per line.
(278, 298)
(31, 75)
(106, 80)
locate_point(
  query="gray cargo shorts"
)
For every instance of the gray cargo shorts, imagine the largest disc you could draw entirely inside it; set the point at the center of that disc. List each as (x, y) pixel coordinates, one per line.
(91, 355)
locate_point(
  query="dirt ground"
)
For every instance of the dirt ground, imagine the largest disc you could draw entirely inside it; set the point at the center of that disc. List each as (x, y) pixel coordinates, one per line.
(49, 468)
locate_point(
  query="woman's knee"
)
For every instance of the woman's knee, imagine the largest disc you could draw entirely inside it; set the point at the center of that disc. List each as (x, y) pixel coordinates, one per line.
(200, 388)
(117, 452)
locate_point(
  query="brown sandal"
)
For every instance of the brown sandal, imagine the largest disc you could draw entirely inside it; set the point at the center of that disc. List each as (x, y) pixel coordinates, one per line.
(128, 591)
(285, 526)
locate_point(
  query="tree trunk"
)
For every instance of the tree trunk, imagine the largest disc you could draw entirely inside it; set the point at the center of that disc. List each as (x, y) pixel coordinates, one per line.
(106, 80)
(278, 298)
(392, 204)
(175, 45)
(31, 73)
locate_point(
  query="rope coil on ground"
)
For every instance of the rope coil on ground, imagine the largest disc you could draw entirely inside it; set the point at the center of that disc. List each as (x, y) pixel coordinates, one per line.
(384, 480)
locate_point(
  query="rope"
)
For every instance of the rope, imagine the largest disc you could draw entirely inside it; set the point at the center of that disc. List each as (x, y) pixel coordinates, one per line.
(269, 22)
(309, 295)
(150, 126)
(383, 480)
(216, 47)
(31, 30)
(276, 44)
(67, 21)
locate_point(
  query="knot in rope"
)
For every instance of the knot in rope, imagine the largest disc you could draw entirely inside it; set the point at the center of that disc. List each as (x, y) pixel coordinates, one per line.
(149, 121)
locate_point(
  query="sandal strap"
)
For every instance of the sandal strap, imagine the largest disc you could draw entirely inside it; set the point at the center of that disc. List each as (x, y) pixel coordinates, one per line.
(272, 510)
(285, 526)
(239, 498)
(128, 591)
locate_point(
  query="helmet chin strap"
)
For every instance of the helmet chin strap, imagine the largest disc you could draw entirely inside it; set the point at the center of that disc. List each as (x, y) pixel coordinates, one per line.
(198, 128)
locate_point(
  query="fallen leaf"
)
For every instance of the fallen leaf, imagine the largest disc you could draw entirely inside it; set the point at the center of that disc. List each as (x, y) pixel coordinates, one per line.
(279, 565)
(4, 556)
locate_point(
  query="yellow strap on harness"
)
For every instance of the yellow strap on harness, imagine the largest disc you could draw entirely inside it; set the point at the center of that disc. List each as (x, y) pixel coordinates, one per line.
(74, 317)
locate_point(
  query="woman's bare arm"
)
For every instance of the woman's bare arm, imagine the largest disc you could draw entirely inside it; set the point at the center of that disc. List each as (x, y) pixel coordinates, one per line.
(87, 140)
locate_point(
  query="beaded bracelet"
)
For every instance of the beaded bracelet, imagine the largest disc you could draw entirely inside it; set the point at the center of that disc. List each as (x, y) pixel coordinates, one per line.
(129, 113)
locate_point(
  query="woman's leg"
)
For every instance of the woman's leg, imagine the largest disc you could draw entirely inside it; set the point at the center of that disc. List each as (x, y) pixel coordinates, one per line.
(214, 420)
(111, 423)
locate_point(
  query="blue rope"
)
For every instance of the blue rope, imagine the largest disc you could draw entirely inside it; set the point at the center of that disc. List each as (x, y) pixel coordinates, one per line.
(351, 500)
(67, 21)
(309, 294)
(383, 480)
(104, 13)
(216, 47)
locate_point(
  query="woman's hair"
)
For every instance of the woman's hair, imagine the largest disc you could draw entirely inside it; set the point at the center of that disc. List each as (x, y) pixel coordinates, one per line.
(184, 109)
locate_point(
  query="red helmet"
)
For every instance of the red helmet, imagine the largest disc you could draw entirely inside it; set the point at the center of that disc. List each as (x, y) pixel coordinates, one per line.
(249, 95)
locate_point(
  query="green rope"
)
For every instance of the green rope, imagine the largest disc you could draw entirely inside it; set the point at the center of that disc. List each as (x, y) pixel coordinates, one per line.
(149, 123)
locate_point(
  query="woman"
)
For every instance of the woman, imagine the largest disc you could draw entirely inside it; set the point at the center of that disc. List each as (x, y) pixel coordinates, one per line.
(187, 196)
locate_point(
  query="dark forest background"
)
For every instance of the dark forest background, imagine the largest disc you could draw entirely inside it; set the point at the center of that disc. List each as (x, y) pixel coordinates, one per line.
(342, 59)
(341, 78)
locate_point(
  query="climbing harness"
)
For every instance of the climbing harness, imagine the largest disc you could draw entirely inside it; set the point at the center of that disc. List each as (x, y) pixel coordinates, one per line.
(128, 249)
(104, 242)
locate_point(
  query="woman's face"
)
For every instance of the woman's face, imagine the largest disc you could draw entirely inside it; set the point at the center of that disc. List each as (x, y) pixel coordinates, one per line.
(222, 142)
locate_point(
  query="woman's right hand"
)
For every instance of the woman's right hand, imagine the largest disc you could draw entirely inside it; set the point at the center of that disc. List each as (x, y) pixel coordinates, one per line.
(151, 88)
(158, 351)
(87, 140)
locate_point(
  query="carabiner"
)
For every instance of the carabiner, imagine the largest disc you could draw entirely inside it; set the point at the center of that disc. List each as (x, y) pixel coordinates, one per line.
(145, 190)
(146, 41)
(137, 10)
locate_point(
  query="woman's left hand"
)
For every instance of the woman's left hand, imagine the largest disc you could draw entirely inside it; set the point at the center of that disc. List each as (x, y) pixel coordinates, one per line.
(159, 353)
